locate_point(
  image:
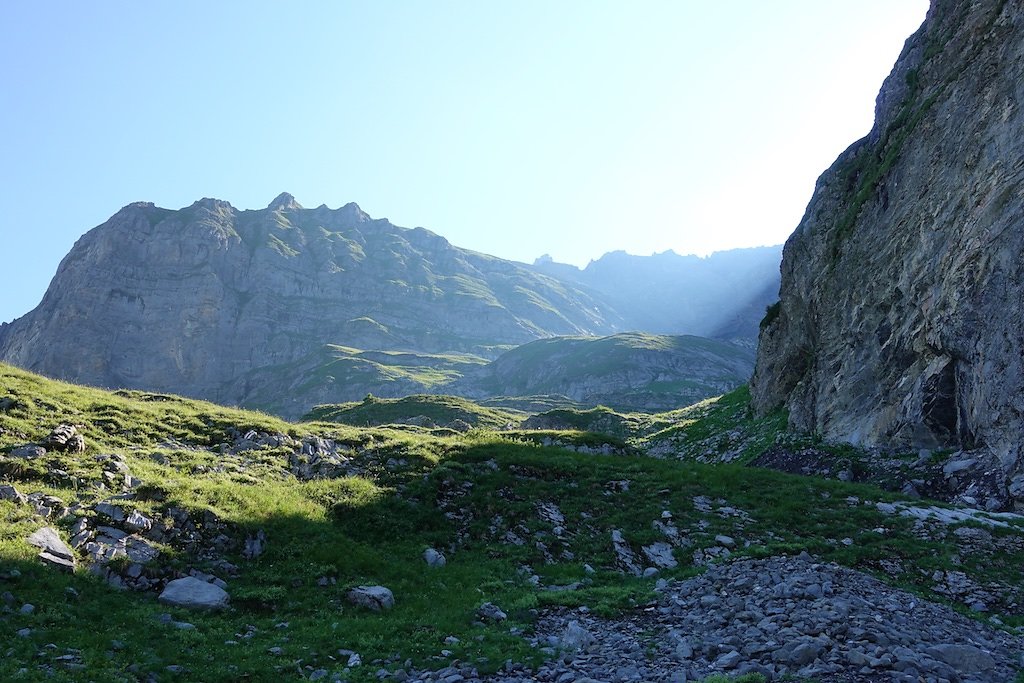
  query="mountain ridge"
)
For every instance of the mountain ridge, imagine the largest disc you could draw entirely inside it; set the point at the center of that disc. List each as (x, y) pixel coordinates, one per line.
(220, 303)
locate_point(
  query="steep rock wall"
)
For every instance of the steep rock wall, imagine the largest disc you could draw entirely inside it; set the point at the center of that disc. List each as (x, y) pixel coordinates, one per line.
(900, 317)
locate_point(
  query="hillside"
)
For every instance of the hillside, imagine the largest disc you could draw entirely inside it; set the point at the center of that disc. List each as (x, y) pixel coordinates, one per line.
(543, 564)
(629, 371)
(899, 323)
(721, 296)
(200, 301)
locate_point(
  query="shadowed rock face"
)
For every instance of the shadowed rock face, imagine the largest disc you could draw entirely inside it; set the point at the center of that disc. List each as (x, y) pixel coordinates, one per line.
(900, 316)
(190, 301)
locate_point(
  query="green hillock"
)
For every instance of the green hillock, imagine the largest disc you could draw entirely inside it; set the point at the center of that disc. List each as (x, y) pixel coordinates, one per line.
(423, 409)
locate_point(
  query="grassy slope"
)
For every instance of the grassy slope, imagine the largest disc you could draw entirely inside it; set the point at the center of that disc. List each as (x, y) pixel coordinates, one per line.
(440, 410)
(373, 528)
(550, 366)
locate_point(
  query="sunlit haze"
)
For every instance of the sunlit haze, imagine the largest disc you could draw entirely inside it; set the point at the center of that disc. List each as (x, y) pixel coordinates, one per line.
(512, 128)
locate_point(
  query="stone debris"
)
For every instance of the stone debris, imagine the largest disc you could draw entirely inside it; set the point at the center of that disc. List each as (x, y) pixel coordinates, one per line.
(376, 598)
(786, 618)
(53, 550)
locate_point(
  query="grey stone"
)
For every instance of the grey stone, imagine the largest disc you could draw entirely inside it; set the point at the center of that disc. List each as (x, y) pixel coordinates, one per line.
(136, 521)
(491, 612)
(194, 593)
(624, 555)
(112, 512)
(660, 555)
(8, 492)
(53, 550)
(575, 637)
(376, 598)
(28, 452)
(966, 659)
(434, 558)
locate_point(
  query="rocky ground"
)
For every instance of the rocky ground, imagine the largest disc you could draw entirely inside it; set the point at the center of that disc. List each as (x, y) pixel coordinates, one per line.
(785, 618)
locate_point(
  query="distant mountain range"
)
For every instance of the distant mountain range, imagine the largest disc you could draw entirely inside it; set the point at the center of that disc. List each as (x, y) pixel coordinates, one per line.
(723, 295)
(285, 307)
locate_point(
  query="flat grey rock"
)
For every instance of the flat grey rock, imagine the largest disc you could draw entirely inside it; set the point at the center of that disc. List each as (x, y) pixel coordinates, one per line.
(376, 598)
(54, 551)
(191, 592)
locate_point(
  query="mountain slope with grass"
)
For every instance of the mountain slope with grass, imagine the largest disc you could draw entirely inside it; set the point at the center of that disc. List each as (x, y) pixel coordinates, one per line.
(629, 371)
(543, 564)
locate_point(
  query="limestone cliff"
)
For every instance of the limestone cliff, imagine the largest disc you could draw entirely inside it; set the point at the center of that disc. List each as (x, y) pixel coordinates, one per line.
(900, 322)
(193, 301)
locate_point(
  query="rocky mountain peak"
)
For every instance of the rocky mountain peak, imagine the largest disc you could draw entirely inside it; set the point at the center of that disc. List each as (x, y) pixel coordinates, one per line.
(353, 214)
(284, 202)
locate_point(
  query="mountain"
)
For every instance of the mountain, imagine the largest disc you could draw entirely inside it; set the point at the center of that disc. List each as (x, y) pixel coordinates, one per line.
(285, 308)
(900, 318)
(208, 300)
(630, 371)
(723, 295)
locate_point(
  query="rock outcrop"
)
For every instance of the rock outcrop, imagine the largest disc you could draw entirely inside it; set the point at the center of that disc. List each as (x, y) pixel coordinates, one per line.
(899, 322)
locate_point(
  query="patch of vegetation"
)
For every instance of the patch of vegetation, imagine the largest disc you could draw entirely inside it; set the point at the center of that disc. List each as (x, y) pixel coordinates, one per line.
(432, 410)
(402, 492)
(721, 428)
(771, 313)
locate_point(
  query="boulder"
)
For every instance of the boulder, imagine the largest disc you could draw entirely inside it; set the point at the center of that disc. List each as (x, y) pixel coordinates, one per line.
(434, 558)
(53, 550)
(660, 555)
(65, 438)
(194, 593)
(376, 598)
(8, 492)
(966, 659)
(28, 451)
(576, 637)
(137, 521)
(491, 612)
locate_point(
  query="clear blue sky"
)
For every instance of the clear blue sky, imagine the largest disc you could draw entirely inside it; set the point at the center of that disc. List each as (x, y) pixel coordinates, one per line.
(515, 128)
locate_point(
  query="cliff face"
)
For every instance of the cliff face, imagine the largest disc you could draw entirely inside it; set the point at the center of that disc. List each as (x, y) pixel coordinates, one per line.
(190, 301)
(900, 320)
